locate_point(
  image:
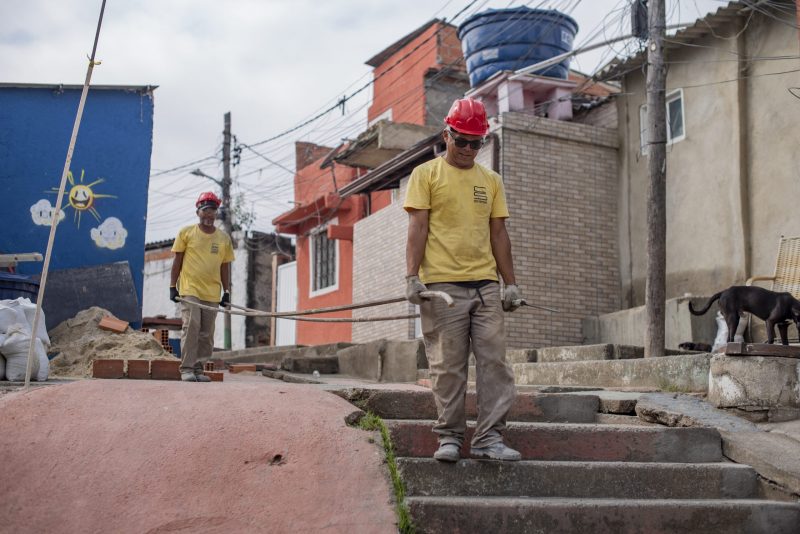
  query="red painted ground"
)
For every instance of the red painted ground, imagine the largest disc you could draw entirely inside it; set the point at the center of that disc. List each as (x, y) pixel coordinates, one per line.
(149, 456)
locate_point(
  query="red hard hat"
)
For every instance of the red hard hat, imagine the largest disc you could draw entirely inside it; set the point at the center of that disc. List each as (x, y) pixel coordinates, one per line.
(468, 116)
(207, 198)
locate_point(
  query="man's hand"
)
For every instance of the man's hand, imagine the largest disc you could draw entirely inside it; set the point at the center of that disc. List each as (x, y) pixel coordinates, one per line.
(173, 294)
(413, 289)
(226, 299)
(512, 298)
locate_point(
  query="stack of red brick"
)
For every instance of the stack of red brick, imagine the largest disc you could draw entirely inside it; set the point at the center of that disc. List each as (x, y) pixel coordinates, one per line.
(146, 369)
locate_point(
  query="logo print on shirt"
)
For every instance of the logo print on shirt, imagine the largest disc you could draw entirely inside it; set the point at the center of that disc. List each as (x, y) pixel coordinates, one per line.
(215, 248)
(479, 195)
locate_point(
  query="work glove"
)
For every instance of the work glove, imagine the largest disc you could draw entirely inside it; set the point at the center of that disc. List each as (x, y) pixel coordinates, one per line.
(512, 298)
(413, 289)
(173, 294)
(226, 299)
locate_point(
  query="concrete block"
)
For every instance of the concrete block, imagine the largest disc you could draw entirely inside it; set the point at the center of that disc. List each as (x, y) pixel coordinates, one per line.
(165, 369)
(687, 372)
(575, 442)
(754, 381)
(139, 369)
(362, 361)
(620, 480)
(627, 327)
(108, 368)
(433, 515)
(401, 359)
(604, 351)
(323, 364)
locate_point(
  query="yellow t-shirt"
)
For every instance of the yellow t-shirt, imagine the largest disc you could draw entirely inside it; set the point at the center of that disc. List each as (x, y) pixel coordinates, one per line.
(203, 254)
(461, 202)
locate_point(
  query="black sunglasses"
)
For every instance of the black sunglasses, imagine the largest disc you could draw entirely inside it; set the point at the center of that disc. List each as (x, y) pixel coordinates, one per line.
(461, 142)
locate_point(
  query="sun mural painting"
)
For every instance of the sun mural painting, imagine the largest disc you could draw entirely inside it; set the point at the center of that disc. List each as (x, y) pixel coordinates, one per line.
(82, 197)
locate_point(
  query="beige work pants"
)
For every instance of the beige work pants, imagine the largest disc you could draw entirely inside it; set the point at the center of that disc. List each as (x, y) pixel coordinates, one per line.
(197, 335)
(476, 318)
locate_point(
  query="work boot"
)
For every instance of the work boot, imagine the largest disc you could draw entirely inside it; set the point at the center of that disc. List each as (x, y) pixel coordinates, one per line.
(496, 451)
(448, 452)
(191, 377)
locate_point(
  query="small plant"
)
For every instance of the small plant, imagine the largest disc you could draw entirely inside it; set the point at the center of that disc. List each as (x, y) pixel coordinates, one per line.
(372, 422)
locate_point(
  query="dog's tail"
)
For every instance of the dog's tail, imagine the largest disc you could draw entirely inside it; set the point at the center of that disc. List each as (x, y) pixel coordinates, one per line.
(707, 306)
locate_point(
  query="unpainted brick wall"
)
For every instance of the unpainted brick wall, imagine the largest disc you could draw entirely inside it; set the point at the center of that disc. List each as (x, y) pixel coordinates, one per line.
(379, 270)
(560, 181)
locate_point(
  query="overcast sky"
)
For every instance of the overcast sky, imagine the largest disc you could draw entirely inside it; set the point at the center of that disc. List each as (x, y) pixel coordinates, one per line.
(272, 63)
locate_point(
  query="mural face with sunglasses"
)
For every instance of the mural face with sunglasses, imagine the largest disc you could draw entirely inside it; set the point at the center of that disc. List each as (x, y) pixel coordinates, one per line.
(462, 148)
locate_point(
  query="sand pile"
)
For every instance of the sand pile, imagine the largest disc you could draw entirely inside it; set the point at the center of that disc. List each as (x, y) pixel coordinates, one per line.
(79, 341)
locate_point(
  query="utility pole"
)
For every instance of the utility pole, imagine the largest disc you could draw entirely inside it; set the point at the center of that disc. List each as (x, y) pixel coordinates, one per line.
(227, 214)
(655, 288)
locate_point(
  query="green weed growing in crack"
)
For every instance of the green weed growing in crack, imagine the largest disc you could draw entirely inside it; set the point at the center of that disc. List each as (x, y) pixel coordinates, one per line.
(372, 422)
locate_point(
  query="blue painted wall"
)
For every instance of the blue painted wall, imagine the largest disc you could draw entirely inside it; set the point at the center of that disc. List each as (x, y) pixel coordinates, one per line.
(103, 218)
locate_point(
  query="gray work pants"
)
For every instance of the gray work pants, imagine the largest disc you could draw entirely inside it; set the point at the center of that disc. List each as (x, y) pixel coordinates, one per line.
(476, 318)
(197, 335)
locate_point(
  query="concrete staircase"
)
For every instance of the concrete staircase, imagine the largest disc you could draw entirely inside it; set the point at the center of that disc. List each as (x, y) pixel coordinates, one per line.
(576, 476)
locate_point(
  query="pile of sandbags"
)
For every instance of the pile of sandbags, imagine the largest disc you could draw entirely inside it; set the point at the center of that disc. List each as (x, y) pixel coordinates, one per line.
(16, 325)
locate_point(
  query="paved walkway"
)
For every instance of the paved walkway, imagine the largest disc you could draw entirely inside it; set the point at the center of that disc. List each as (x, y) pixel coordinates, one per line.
(151, 456)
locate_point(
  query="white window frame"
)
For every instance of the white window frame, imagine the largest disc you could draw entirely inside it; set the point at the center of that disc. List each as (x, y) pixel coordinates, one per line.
(677, 94)
(323, 229)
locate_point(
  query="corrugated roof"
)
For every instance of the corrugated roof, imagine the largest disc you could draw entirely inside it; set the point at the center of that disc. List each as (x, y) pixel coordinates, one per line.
(691, 34)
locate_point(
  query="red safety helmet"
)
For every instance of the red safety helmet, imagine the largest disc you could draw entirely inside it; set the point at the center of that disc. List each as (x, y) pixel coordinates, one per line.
(207, 199)
(468, 116)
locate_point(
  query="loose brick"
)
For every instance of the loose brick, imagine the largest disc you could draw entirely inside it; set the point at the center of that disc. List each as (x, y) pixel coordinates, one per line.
(139, 369)
(165, 370)
(208, 366)
(113, 325)
(215, 376)
(108, 368)
(242, 367)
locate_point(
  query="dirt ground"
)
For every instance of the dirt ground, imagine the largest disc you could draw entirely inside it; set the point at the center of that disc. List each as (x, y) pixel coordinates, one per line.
(156, 457)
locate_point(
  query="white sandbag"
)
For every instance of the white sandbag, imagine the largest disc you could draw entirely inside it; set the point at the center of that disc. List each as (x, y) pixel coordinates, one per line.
(29, 308)
(11, 313)
(15, 351)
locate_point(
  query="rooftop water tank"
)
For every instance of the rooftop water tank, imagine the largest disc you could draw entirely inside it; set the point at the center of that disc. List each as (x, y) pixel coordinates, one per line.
(510, 39)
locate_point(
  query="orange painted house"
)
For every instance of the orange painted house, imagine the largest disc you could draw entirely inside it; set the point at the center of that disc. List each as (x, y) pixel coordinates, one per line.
(416, 80)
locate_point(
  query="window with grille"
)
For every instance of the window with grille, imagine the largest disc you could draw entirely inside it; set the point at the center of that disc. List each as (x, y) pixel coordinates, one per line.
(323, 262)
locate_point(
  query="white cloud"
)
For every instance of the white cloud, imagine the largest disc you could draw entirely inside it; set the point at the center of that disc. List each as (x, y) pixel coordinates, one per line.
(110, 234)
(42, 213)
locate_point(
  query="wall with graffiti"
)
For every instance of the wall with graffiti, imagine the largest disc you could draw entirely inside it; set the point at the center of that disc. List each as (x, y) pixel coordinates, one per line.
(103, 213)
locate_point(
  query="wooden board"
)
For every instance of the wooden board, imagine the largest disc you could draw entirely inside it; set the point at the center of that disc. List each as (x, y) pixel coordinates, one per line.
(762, 349)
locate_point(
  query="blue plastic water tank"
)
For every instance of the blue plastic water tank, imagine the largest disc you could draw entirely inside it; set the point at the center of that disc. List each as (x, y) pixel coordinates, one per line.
(510, 39)
(13, 286)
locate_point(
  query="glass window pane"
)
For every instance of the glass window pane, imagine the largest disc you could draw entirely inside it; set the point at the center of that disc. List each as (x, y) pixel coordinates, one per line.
(675, 118)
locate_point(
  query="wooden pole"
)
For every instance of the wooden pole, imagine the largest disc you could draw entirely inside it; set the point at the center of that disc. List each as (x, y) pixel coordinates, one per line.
(655, 288)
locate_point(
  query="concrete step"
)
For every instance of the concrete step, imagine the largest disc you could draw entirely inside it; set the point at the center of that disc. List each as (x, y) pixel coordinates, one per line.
(467, 515)
(580, 442)
(687, 373)
(410, 404)
(612, 480)
(606, 351)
